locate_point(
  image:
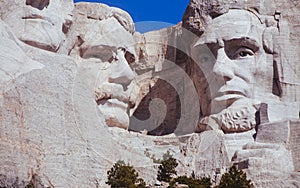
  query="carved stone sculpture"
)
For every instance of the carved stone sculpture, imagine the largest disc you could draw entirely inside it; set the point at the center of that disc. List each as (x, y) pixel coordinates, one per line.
(244, 63)
(112, 51)
(65, 96)
(245, 74)
(43, 24)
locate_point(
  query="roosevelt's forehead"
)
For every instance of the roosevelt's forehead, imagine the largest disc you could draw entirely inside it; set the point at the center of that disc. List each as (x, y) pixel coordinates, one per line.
(108, 32)
(233, 25)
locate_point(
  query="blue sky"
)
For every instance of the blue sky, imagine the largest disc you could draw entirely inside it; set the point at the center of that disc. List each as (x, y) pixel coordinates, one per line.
(160, 13)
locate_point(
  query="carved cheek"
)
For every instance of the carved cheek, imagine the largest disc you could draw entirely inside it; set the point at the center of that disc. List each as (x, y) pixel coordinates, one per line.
(245, 69)
(223, 66)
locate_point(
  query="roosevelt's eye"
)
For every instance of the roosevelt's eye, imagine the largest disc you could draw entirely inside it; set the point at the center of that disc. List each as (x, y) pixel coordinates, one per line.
(243, 53)
(39, 4)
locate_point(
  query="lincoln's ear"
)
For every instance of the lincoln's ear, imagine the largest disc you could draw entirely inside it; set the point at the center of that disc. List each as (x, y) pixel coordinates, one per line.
(269, 37)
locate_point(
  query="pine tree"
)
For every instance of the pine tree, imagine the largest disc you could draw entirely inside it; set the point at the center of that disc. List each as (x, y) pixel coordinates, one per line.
(192, 182)
(124, 176)
(235, 179)
(167, 169)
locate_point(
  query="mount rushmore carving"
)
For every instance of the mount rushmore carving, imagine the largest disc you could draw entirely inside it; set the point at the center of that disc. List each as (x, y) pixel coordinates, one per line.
(81, 89)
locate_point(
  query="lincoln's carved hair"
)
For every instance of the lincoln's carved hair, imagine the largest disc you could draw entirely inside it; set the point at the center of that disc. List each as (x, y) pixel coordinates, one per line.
(200, 12)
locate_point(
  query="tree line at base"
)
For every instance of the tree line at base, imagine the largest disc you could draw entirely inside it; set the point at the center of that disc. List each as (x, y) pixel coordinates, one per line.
(123, 175)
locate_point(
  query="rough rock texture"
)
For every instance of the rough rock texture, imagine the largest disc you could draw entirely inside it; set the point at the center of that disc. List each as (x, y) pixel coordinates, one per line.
(152, 49)
(65, 96)
(222, 83)
(14, 61)
(51, 125)
(111, 53)
(42, 25)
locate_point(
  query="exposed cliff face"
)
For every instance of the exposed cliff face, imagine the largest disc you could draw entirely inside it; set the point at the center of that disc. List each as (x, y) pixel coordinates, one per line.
(155, 49)
(280, 23)
(52, 129)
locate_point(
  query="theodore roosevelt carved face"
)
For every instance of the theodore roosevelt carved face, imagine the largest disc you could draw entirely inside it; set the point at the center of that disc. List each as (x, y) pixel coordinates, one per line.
(109, 45)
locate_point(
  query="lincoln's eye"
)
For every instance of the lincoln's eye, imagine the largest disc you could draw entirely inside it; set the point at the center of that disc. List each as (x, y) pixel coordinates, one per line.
(243, 52)
(39, 4)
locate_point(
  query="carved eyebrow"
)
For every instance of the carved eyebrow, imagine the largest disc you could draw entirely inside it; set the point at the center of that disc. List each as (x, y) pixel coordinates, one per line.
(244, 41)
(103, 52)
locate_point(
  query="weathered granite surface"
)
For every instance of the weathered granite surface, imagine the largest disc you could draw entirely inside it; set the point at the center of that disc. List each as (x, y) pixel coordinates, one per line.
(70, 81)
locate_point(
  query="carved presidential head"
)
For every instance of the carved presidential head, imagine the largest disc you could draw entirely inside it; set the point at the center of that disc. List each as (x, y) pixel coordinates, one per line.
(234, 50)
(241, 67)
(39, 23)
(106, 38)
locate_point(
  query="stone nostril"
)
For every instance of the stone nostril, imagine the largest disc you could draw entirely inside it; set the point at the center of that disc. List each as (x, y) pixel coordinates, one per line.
(129, 57)
(226, 78)
(66, 26)
(38, 4)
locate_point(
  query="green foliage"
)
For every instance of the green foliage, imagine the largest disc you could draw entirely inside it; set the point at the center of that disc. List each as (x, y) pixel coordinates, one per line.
(30, 185)
(166, 156)
(154, 159)
(34, 182)
(167, 168)
(235, 179)
(191, 182)
(124, 176)
(140, 183)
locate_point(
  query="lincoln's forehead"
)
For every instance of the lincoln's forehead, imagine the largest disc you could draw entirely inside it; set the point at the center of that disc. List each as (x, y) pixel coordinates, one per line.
(233, 25)
(236, 16)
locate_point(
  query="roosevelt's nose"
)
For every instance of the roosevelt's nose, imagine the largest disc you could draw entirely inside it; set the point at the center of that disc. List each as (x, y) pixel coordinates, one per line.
(224, 65)
(121, 71)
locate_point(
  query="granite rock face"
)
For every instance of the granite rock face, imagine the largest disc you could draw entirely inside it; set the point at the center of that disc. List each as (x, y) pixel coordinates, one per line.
(82, 89)
(234, 54)
(39, 24)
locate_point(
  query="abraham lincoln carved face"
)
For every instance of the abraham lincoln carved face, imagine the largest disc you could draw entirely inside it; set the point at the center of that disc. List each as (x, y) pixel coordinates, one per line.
(241, 71)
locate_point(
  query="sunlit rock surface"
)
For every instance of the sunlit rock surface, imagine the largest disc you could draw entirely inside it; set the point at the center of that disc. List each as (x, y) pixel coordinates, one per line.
(87, 90)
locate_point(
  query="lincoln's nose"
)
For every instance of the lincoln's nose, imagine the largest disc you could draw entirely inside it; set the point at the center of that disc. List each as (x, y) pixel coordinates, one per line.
(223, 66)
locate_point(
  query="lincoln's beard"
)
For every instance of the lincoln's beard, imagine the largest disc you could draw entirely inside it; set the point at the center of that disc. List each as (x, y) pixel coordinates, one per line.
(236, 119)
